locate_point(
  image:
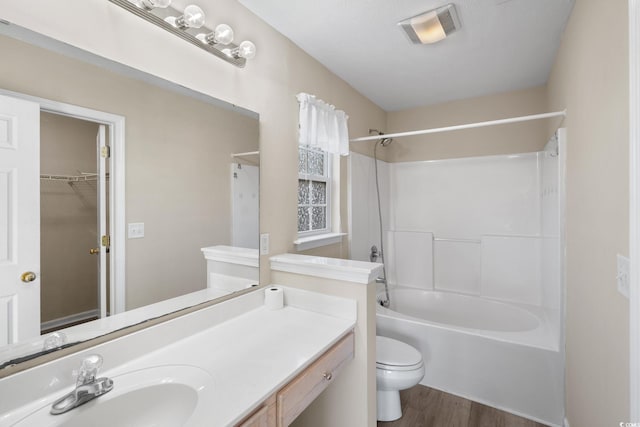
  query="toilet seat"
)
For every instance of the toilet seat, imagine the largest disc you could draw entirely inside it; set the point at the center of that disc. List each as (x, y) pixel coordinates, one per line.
(394, 355)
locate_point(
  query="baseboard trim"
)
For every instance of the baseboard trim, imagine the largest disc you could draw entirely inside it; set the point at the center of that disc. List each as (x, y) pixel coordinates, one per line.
(74, 318)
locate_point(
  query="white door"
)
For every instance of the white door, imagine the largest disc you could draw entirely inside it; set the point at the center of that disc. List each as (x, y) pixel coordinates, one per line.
(19, 220)
(103, 242)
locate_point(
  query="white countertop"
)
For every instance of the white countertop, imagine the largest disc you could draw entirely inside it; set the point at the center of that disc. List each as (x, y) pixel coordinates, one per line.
(249, 351)
(329, 268)
(252, 356)
(232, 255)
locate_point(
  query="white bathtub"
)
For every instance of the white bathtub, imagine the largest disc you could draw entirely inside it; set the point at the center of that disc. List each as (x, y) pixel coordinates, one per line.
(492, 352)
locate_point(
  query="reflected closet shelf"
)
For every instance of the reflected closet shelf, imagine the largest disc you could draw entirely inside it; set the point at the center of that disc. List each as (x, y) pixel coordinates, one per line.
(83, 177)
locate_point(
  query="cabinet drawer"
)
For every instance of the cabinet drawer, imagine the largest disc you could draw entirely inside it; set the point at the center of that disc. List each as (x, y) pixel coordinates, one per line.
(302, 390)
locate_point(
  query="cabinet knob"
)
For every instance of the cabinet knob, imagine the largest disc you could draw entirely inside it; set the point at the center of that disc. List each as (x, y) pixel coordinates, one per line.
(94, 251)
(327, 376)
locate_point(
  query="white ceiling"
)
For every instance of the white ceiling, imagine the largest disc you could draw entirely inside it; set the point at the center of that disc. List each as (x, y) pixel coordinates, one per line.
(503, 45)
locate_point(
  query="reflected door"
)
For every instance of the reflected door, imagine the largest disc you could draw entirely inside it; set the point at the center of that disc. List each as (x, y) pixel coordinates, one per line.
(104, 242)
(19, 220)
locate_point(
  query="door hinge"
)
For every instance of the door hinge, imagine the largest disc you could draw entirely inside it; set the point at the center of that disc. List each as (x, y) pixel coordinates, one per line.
(105, 152)
(106, 241)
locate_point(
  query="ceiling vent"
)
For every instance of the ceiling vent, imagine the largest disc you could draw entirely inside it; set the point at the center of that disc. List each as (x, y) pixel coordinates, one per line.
(433, 25)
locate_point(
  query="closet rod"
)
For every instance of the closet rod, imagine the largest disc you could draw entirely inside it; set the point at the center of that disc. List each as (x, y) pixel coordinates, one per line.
(562, 113)
(248, 153)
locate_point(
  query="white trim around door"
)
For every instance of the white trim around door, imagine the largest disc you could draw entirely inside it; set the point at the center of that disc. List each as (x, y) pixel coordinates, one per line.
(634, 209)
(117, 227)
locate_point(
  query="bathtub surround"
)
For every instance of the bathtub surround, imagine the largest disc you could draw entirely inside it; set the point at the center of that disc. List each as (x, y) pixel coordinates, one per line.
(474, 258)
(364, 226)
(502, 355)
(484, 226)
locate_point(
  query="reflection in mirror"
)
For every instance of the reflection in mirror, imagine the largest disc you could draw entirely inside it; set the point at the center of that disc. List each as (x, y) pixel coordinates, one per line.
(114, 243)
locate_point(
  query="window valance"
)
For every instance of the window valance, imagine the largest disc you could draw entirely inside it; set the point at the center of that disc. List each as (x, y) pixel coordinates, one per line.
(322, 126)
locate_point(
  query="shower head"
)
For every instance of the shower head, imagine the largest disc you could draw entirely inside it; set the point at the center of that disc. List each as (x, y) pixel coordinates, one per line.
(383, 141)
(386, 141)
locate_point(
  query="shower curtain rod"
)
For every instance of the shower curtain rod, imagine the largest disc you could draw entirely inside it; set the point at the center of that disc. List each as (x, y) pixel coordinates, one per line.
(562, 113)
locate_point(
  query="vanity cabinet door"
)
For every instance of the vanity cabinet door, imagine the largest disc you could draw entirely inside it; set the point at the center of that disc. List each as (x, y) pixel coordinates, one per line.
(265, 416)
(301, 391)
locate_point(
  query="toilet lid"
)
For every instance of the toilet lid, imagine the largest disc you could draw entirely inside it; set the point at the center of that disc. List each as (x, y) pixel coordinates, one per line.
(392, 352)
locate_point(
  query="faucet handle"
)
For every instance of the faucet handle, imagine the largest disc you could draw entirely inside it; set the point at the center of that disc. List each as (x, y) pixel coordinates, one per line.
(54, 340)
(89, 369)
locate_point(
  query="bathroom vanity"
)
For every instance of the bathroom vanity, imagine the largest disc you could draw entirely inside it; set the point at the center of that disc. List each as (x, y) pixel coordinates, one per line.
(282, 408)
(236, 363)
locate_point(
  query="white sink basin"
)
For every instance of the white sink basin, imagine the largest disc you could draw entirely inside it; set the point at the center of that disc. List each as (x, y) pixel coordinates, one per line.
(164, 396)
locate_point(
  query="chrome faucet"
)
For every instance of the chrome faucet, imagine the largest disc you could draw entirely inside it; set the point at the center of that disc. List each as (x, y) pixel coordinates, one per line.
(374, 254)
(88, 387)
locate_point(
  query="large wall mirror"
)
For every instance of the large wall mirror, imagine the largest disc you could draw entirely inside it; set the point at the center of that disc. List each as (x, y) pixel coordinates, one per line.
(164, 218)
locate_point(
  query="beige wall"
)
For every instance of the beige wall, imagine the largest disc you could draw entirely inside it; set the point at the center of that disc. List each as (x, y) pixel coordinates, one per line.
(178, 160)
(590, 79)
(504, 139)
(68, 218)
(267, 85)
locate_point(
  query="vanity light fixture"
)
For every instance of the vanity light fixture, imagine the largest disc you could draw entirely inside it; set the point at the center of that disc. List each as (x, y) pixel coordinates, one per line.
(185, 25)
(433, 25)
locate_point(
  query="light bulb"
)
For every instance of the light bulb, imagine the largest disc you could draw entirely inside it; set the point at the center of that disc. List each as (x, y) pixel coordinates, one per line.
(223, 34)
(152, 4)
(193, 17)
(246, 50)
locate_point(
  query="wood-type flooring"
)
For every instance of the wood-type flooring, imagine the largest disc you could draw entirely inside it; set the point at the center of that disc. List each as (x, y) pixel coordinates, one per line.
(426, 407)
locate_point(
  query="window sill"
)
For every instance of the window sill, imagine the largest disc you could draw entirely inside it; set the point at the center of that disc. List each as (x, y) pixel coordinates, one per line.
(310, 242)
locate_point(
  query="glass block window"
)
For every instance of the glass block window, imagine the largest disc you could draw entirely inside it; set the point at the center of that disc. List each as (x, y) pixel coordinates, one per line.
(313, 190)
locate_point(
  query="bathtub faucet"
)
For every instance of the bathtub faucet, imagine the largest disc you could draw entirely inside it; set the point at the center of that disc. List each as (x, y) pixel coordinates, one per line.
(373, 255)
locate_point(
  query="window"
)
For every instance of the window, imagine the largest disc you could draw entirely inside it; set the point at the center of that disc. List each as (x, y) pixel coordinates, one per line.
(314, 186)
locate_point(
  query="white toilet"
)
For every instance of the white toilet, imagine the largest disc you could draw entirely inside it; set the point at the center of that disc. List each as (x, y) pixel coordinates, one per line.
(398, 367)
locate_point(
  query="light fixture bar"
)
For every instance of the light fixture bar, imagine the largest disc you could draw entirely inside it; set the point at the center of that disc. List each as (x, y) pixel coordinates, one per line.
(156, 16)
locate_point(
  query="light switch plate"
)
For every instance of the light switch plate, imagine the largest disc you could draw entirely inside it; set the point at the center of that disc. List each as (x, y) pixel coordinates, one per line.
(264, 244)
(136, 230)
(622, 275)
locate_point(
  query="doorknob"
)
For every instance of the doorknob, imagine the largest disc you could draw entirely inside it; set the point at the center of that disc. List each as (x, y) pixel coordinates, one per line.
(94, 251)
(28, 276)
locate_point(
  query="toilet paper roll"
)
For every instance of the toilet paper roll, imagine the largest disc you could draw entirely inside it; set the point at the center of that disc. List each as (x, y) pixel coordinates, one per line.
(274, 298)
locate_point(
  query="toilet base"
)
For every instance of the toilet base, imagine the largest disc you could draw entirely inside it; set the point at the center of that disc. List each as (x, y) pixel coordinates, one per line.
(389, 408)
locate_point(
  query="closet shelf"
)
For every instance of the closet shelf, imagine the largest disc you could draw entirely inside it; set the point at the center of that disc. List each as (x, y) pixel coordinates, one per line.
(84, 177)
(250, 157)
